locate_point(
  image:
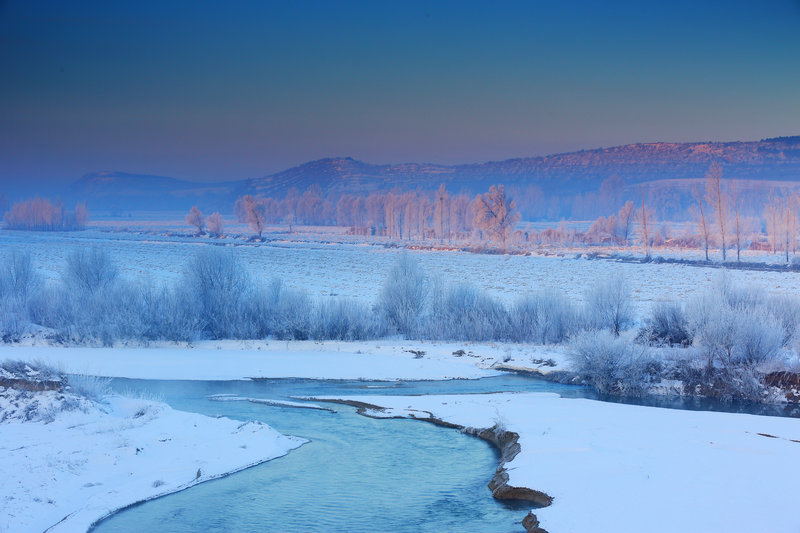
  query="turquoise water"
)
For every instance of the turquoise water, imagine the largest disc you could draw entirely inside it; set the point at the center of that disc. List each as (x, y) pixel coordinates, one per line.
(357, 474)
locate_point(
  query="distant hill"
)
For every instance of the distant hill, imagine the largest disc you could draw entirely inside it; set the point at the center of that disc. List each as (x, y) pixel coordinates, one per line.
(775, 160)
(768, 159)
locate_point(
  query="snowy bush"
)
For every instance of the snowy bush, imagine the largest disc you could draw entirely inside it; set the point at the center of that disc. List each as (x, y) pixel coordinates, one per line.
(167, 317)
(544, 317)
(216, 284)
(14, 322)
(19, 282)
(18, 278)
(733, 327)
(114, 313)
(404, 295)
(667, 324)
(343, 319)
(613, 364)
(462, 312)
(89, 270)
(288, 312)
(608, 305)
(786, 309)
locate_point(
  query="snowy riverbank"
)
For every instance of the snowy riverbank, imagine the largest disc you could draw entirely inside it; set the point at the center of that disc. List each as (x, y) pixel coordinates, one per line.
(622, 468)
(236, 360)
(68, 462)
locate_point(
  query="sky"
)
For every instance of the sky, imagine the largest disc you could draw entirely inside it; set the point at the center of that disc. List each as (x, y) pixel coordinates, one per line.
(214, 91)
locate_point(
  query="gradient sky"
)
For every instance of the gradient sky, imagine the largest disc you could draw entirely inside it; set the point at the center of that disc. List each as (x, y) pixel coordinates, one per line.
(230, 90)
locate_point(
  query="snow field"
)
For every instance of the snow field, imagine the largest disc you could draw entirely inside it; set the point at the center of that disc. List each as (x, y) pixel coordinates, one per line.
(337, 267)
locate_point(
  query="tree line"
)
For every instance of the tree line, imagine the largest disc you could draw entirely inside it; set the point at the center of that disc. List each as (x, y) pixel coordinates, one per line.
(40, 214)
(716, 218)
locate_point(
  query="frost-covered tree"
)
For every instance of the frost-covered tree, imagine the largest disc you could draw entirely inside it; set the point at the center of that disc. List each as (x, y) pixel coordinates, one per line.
(216, 282)
(625, 218)
(609, 304)
(255, 213)
(404, 295)
(89, 270)
(18, 277)
(216, 226)
(495, 214)
(611, 364)
(195, 218)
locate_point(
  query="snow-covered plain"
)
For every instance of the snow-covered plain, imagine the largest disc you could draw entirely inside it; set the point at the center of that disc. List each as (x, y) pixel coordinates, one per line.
(627, 469)
(68, 473)
(340, 265)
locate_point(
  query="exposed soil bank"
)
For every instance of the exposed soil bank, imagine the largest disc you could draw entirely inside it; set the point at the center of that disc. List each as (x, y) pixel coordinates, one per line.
(507, 442)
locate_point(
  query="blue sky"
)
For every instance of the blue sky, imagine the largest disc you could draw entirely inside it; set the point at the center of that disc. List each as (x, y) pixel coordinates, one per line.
(218, 91)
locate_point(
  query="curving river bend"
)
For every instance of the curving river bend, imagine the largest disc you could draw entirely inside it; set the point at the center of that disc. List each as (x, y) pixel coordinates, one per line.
(356, 474)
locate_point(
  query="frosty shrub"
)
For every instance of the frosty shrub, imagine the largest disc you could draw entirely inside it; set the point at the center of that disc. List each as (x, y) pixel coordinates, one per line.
(404, 295)
(785, 309)
(667, 324)
(19, 282)
(114, 313)
(342, 319)
(90, 387)
(89, 270)
(288, 312)
(18, 278)
(734, 327)
(167, 317)
(462, 312)
(14, 321)
(544, 317)
(612, 364)
(608, 304)
(216, 284)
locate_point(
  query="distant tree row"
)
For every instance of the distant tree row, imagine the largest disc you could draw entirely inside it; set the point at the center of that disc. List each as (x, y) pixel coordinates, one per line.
(40, 214)
(399, 215)
(717, 218)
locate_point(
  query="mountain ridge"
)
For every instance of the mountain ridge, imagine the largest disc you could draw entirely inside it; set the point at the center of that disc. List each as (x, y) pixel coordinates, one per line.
(569, 173)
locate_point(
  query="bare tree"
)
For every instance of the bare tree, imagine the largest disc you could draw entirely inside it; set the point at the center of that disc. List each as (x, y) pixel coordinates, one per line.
(441, 213)
(772, 218)
(195, 218)
(789, 223)
(717, 199)
(216, 226)
(738, 227)
(495, 214)
(702, 216)
(643, 220)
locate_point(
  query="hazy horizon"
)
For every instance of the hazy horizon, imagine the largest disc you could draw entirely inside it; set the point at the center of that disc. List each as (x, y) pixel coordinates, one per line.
(219, 93)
